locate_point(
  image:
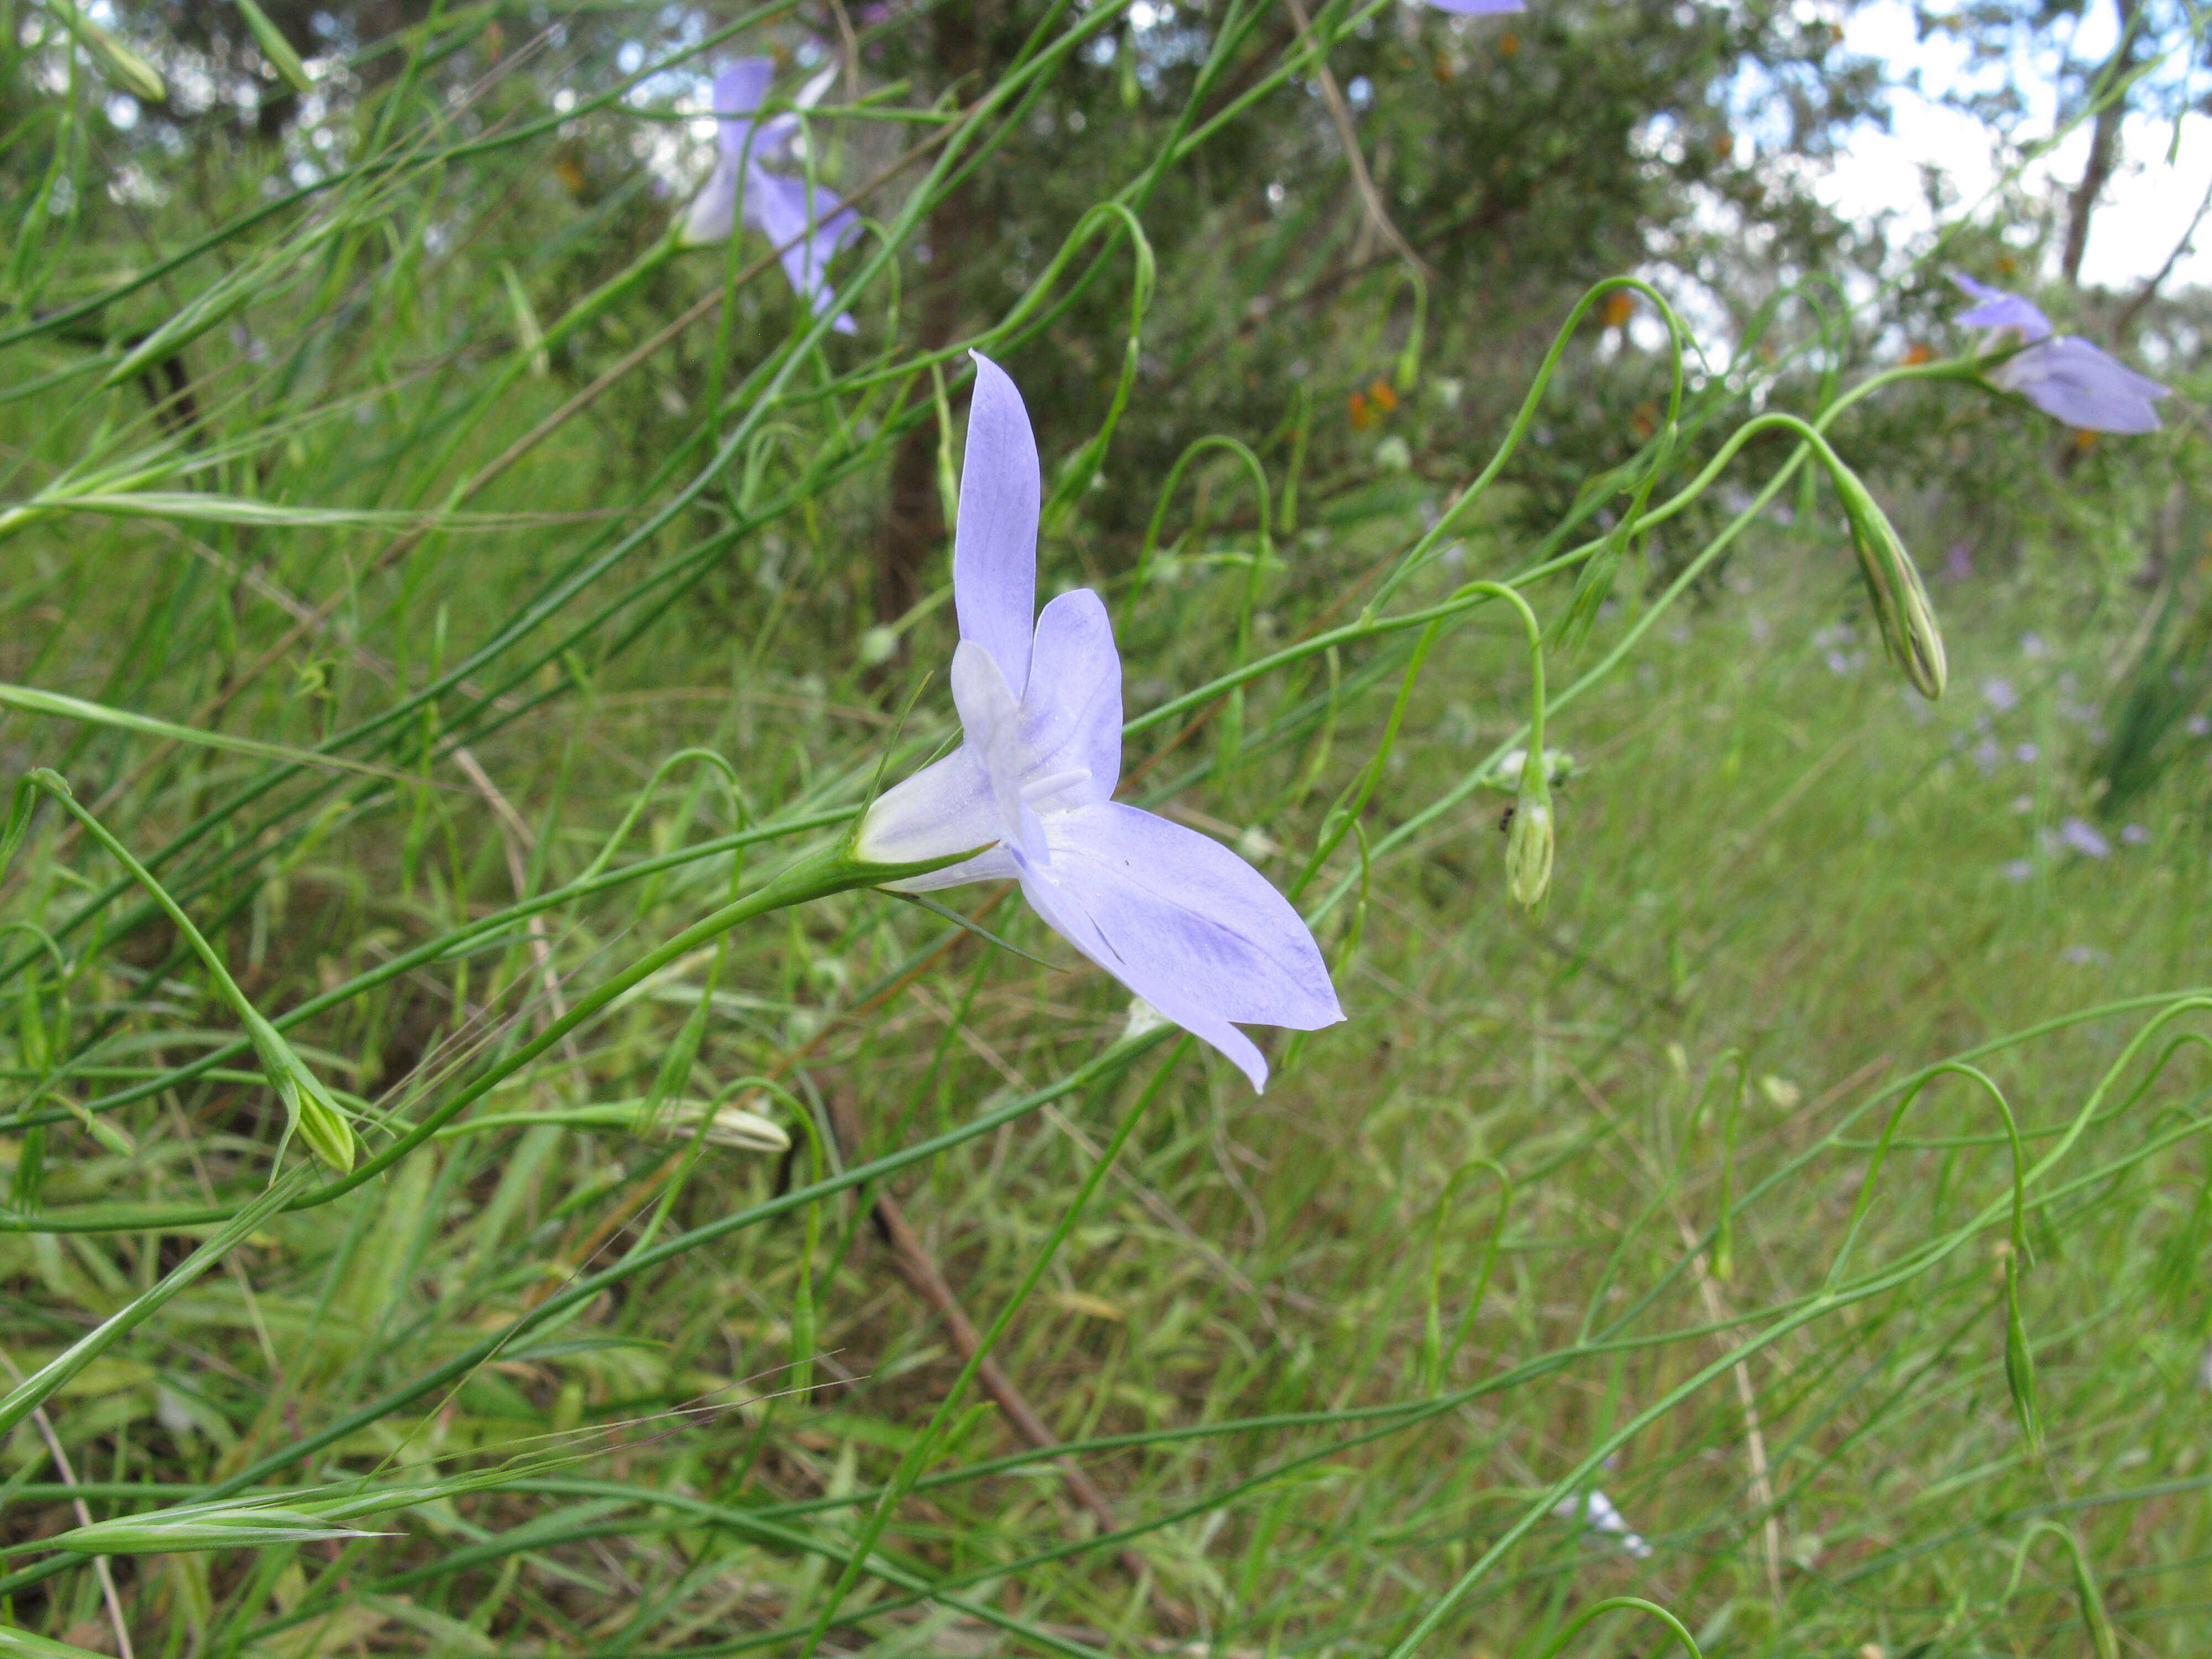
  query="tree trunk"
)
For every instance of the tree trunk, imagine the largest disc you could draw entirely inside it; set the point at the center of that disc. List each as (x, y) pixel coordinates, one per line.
(914, 527)
(2104, 148)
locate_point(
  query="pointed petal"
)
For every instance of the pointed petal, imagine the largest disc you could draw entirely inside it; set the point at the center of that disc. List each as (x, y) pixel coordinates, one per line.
(991, 723)
(810, 93)
(1072, 923)
(1184, 923)
(715, 209)
(994, 542)
(944, 808)
(2076, 382)
(1998, 309)
(773, 135)
(805, 239)
(1071, 715)
(739, 87)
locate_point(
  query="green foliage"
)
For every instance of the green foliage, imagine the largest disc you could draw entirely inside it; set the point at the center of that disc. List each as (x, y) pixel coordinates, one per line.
(468, 625)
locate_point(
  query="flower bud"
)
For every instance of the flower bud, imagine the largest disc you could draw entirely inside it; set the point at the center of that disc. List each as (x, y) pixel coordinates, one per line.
(1900, 600)
(1528, 840)
(727, 1126)
(310, 1108)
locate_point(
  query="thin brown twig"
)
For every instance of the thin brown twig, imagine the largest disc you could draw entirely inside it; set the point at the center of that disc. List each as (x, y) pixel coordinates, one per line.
(518, 841)
(2148, 291)
(919, 1268)
(1754, 1436)
(99, 1567)
(1339, 114)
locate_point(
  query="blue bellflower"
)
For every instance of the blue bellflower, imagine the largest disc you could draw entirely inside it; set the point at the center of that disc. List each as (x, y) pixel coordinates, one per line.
(2063, 376)
(1173, 914)
(808, 223)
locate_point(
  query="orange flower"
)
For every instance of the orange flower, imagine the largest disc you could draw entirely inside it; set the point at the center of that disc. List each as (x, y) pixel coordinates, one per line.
(1619, 306)
(1361, 416)
(1508, 44)
(1380, 394)
(1918, 353)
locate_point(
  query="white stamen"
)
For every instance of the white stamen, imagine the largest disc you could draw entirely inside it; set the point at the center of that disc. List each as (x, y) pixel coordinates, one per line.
(1044, 787)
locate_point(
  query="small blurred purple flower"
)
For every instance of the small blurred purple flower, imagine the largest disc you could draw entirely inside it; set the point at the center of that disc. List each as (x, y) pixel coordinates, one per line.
(2086, 955)
(2065, 377)
(2084, 839)
(2200, 726)
(2032, 644)
(809, 224)
(2134, 835)
(1175, 916)
(1959, 560)
(1478, 8)
(2027, 754)
(2000, 695)
(2022, 804)
(2018, 870)
(1596, 1511)
(1987, 755)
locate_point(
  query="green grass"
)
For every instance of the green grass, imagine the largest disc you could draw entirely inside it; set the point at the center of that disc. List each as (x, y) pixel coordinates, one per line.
(1581, 1200)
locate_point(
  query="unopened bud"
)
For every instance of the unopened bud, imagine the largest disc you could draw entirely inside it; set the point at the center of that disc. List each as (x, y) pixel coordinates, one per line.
(1528, 842)
(1894, 584)
(314, 1114)
(727, 1126)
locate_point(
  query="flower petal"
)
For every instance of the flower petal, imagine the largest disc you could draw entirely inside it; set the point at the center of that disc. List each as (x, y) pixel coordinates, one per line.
(805, 235)
(1478, 8)
(991, 724)
(739, 89)
(1184, 923)
(2081, 384)
(772, 137)
(1998, 309)
(994, 542)
(1071, 715)
(943, 808)
(715, 209)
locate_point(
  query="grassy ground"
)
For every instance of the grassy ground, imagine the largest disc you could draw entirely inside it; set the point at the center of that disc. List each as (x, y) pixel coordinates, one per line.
(1651, 1194)
(1785, 886)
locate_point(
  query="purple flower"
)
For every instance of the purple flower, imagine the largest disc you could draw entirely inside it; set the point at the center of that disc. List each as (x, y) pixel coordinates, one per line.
(2063, 376)
(1998, 309)
(1175, 916)
(1478, 8)
(808, 223)
(2084, 839)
